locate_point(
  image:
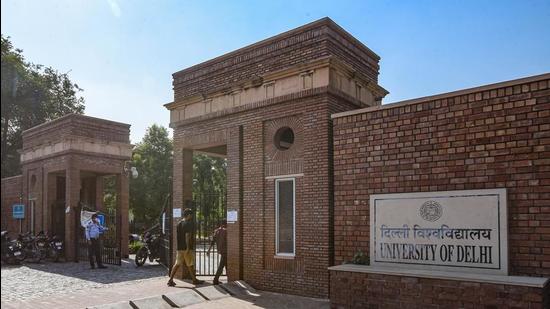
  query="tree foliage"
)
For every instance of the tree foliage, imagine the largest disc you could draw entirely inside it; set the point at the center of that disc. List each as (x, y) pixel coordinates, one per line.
(209, 175)
(209, 189)
(153, 159)
(31, 94)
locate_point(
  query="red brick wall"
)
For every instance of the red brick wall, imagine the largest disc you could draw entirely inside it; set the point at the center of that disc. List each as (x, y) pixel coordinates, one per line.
(11, 191)
(496, 137)
(360, 290)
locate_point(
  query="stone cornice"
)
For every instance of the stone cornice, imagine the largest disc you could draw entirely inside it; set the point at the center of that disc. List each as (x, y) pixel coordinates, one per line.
(254, 82)
(78, 152)
(329, 61)
(268, 102)
(83, 145)
(71, 118)
(252, 106)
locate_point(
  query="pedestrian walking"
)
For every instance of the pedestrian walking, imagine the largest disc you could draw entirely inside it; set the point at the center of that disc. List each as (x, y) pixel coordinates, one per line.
(93, 232)
(185, 247)
(220, 239)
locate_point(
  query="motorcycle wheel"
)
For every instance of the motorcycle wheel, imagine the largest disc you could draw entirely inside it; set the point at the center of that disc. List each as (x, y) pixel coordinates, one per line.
(43, 254)
(20, 258)
(141, 256)
(34, 256)
(54, 255)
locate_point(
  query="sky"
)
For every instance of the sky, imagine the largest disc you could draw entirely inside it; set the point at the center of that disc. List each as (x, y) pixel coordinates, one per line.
(123, 52)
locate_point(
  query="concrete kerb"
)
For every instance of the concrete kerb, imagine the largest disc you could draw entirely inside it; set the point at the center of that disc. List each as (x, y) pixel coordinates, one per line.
(119, 305)
(184, 298)
(212, 292)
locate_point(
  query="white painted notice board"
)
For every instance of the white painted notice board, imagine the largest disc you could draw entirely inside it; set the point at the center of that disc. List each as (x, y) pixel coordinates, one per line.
(462, 231)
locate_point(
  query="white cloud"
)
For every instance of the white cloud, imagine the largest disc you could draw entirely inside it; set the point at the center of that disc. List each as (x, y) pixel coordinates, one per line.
(115, 8)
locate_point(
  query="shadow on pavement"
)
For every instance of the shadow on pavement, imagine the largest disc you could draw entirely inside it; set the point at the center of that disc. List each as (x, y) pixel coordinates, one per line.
(112, 274)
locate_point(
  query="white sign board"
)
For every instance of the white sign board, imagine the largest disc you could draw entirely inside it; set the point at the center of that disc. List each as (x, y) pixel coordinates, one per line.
(232, 216)
(176, 212)
(448, 231)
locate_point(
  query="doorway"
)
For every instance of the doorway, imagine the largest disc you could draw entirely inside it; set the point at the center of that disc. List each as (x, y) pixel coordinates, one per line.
(209, 206)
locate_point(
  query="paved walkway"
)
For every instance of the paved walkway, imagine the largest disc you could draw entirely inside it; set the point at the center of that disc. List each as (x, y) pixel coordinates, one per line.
(74, 285)
(29, 281)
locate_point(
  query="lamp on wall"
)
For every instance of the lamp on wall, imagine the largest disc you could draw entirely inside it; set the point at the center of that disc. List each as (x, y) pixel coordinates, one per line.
(130, 170)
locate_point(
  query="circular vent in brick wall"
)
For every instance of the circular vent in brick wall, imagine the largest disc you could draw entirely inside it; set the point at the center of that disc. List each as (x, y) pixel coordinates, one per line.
(284, 138)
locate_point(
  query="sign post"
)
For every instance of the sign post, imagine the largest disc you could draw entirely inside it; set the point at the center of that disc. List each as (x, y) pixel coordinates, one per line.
(19, 214)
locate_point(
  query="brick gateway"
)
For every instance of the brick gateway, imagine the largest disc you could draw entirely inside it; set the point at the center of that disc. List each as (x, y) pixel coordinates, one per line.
(64, 165)
(299, 118)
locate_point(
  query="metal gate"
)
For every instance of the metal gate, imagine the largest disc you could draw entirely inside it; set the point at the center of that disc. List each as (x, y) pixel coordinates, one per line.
(210, 210)
(110, 241)
(165, 223)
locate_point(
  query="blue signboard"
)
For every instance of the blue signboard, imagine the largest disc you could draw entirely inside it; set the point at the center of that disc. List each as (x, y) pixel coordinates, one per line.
(101, 219)
(18, 211)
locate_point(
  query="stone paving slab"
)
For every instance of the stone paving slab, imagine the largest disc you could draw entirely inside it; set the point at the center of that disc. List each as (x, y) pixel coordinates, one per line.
(184, 298)
(119, 305)
(156, 302)
(100, 296)
(213, 292)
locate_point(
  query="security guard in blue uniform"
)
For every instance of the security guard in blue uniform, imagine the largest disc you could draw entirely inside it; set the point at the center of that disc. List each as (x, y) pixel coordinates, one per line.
(93, 231)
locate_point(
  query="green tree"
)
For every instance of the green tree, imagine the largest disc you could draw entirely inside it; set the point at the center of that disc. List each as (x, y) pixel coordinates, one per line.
(31, 94)
(153, 159)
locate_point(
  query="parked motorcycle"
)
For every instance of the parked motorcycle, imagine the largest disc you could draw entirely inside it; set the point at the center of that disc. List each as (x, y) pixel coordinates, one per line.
(29, 248)
(11, 251)
(50, 248)
(151, 247)
(57, 247)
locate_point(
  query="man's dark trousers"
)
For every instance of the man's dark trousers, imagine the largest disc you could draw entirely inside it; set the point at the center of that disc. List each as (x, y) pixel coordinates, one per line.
(93, 250)
(223, 263)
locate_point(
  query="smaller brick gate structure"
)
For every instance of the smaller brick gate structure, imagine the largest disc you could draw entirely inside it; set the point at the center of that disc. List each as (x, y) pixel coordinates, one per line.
(64, 165)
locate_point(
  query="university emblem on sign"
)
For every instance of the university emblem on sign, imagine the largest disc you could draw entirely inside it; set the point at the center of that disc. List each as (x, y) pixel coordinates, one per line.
(431, 211)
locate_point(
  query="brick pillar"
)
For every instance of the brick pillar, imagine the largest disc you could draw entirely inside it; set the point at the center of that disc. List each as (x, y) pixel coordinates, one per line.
(72, 197)
(99, 194)
(182, 193)
(23, 224)
(123, 190)
(234, 203)
(50, 185)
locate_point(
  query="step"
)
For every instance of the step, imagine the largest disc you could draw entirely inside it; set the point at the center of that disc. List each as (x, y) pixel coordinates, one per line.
(212, 292)
(183, 298)
(120, 305)
(156, 302)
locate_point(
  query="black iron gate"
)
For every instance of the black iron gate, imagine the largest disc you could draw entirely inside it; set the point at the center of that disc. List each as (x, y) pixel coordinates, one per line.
(210, 210)
(110, 241)
(165, 223)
